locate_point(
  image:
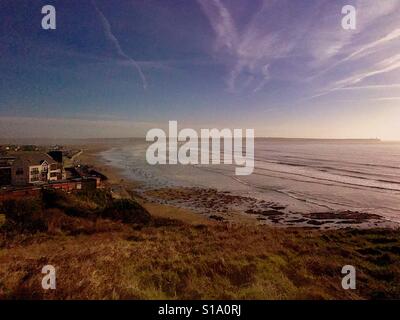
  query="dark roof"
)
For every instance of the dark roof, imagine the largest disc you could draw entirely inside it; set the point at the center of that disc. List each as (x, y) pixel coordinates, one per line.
(34, 158)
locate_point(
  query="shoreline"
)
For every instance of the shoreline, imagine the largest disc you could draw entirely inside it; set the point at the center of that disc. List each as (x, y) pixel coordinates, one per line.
(189, 256)
(207, 205)
(126, 188)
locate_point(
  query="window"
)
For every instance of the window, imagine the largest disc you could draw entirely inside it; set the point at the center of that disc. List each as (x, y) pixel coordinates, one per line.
(34, 171)
(53, 174)
(54, 166)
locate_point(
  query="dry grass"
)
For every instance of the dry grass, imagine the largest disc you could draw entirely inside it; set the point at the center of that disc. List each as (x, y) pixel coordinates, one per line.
(171, 260)
(100, 252)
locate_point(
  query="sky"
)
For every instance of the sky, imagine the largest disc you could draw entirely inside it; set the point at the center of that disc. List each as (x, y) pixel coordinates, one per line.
(285, 68)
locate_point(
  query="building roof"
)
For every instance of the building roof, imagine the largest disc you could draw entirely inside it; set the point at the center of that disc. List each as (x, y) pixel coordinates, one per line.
(34, 158)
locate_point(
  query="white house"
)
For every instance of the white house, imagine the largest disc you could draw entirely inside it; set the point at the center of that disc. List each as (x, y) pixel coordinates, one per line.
(35, 168)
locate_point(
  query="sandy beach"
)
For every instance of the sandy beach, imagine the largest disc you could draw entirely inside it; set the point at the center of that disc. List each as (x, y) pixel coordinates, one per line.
(208, 205)
(122, 187)
(191, 243)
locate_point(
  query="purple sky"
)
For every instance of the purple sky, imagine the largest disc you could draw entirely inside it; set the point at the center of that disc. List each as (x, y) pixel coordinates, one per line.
(116, 69)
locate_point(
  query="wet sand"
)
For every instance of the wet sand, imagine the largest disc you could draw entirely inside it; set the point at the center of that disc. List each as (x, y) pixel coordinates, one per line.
(201, 205)
(225, 206)
(127, 188)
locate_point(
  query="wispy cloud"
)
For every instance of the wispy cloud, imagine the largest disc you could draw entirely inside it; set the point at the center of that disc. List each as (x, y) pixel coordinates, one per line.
(395, 34)
(387, 99)
(365, 49)
(249, 50)
(266, 73)
(114, 41)
(371, 87)
(314, 44)
(387, 65)
(222, 23)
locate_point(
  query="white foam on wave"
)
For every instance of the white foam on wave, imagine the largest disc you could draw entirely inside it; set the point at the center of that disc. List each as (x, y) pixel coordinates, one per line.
(303, 176)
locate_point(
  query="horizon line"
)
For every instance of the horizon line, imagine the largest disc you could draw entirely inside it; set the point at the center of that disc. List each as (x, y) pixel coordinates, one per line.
(4, 140)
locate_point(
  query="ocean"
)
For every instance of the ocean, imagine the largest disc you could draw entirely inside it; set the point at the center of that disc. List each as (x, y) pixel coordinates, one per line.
(303, 175)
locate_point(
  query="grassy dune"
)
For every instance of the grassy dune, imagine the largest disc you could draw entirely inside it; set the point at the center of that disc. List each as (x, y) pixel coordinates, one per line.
(99, 257)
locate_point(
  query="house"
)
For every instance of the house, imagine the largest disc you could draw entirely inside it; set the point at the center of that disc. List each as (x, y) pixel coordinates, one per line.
(35, 168)
(25, 174)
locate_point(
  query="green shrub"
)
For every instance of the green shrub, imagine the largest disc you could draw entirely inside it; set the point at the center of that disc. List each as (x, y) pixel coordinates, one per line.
(68, 203)
(101, 198)
(58, 211)
(55, 198)
(127, 211)
(24, 215)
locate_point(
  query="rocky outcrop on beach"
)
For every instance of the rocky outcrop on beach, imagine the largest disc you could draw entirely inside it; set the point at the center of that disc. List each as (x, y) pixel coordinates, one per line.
(228, 207)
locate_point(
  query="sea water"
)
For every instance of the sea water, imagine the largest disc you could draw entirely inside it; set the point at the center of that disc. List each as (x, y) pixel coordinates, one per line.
(306, 176)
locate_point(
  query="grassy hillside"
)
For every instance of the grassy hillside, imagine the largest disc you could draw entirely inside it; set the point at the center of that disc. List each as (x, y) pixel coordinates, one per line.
(106, 249)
